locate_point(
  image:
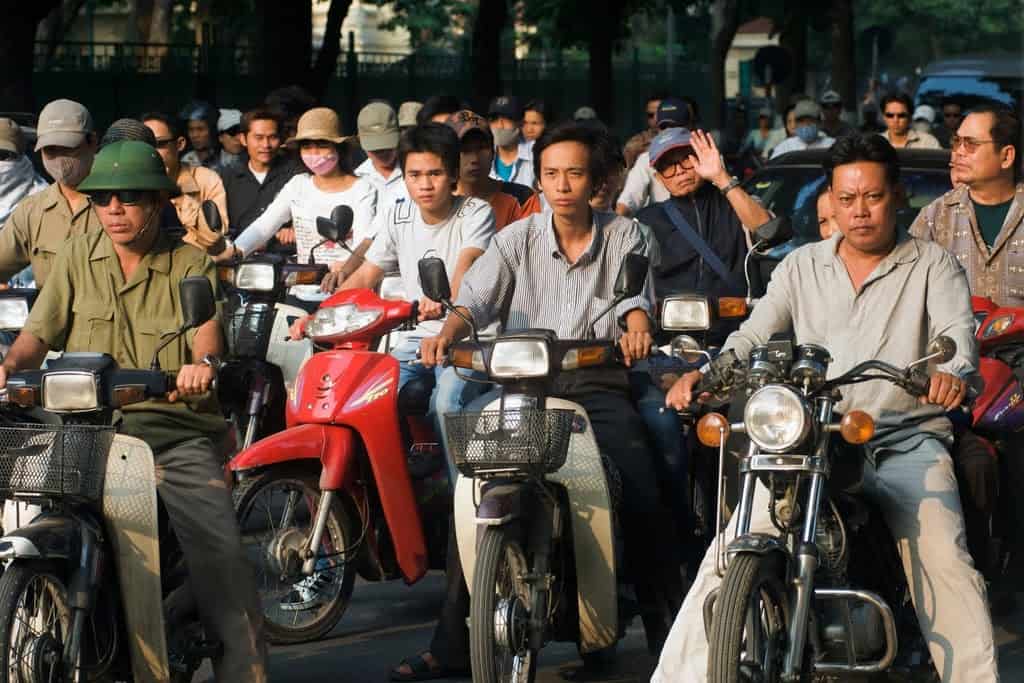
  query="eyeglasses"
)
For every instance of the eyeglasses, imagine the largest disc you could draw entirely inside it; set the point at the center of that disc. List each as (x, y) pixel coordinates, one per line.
(670, 169)
(164, 143)
(894, 115)
(651, 114)
(126, 197)
(971, 145)
(232, 131)
(832, 105)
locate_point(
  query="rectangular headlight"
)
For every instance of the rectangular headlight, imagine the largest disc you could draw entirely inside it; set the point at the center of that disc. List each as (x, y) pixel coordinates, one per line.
(70, 392)
(392, 287)
(520, 358)
(685, 313)
(256, 277)
(13, 312)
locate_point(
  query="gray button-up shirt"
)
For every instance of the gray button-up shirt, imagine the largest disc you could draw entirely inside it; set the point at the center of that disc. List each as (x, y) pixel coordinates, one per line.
(524, 279)
(916, 293)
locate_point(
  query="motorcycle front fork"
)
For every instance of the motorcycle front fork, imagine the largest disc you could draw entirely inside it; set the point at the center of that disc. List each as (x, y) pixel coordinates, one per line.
(312, 550)
(259, 394)
(82, 592)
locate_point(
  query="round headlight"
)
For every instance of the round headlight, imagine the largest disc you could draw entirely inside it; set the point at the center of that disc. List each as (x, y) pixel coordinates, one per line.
(776, 418)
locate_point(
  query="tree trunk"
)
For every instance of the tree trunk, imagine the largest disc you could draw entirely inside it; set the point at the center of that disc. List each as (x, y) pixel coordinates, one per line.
(793, 38)
(327, 57)
(601, 47)
(17, 38)
(844, 68)
(159, 29)
(490, 22)
(287, 44)
(143, 15)
(725, 20)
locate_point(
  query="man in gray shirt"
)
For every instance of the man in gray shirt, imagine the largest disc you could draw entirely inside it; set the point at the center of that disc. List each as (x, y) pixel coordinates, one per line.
(865, 295)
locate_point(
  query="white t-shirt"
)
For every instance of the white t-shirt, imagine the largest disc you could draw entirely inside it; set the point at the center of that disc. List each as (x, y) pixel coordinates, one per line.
(301, 202)
(405, 239)
(642, 186)
(260, 177)
(795, 144)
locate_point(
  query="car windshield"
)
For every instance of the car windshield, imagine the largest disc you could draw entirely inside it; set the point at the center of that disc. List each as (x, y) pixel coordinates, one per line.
(793, 191)
(970, 90)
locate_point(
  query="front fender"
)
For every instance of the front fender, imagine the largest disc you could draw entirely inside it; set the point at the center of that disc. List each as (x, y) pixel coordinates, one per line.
(758, 544)
(332, 445)
(44, 538)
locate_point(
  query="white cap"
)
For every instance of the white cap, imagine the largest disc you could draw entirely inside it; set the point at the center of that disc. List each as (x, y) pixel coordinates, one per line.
(924, 113)
(228, 118)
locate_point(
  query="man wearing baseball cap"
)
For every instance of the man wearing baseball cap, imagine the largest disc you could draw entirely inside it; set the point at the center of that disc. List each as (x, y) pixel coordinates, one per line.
(510, 164)
(18, 177)
(41, 224)
(378, 136)
(229, 134)
(642, 185)
(831, 116)
(407, 112)
(808, 130)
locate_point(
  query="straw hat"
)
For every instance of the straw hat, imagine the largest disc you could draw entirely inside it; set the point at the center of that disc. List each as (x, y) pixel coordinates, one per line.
(320, 123)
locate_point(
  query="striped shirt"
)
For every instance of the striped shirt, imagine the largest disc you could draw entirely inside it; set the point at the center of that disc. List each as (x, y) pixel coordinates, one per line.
(525, 275)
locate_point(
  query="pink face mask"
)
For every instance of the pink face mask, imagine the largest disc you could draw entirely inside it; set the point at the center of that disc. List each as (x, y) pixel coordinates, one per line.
(320, 164)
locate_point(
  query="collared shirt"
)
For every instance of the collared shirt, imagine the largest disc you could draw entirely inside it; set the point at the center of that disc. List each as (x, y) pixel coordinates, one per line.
(92, 307)
(522, 170)
(795, 144)
(38, 228)
(642, 186)
(525, 279)
(917, 140)
(388, 189)
(996, 272)
(637, 145)
(915, 294)
(197, 184)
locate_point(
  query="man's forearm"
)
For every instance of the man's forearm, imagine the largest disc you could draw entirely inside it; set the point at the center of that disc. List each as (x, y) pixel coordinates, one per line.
(27, 352)
(208, 341)
(751, 214)
(455, 328)
(356, 258)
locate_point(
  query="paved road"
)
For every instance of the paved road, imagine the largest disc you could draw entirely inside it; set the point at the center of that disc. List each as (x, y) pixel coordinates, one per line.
(387, 622)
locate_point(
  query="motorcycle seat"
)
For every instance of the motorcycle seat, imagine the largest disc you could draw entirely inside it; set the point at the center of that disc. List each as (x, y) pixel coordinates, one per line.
(414, 398)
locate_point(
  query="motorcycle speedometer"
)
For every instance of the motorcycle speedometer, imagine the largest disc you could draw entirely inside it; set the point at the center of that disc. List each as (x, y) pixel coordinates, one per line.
(776, 418)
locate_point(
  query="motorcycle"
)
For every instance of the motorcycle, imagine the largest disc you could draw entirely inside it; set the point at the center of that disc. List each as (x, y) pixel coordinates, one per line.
(15, 303)
(535, 501)
(357, 483)
(827, 595)
(92, 590)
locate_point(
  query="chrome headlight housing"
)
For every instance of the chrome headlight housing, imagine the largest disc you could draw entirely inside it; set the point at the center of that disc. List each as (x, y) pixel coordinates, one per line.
(70, 392)
(520, 358)
(685, 312)
(256, 277)
(392, 287)
(776, 418)
(13, 312)
(339, 320)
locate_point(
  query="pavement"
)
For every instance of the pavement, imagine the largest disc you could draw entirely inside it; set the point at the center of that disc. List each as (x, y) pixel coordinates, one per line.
(387, 622)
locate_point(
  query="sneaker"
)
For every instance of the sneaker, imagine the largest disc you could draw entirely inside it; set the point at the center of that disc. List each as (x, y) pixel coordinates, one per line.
(306, 594)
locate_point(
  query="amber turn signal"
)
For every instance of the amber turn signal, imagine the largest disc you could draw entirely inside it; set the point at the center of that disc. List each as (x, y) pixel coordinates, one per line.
(857, 427)
(713, 429)
(127, 394)
(226, 274)
(732, 307)
(24, 397)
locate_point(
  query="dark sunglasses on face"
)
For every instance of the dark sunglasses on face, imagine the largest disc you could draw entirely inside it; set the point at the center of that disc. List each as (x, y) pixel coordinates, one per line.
(164, 143)
(897, 115)
(233, 130)
(126, 197)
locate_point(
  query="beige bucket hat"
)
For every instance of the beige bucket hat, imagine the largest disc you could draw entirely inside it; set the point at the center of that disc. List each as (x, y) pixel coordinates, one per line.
(319, 123)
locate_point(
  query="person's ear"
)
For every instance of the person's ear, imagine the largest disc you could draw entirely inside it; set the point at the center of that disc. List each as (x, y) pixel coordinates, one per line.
(181, 144)
(1008, 157)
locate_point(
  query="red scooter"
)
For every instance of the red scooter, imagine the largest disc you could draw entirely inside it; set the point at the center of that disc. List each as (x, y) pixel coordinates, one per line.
(356, 484)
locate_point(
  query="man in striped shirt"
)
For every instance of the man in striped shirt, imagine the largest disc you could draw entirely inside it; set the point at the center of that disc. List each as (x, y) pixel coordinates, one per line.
(557, 270)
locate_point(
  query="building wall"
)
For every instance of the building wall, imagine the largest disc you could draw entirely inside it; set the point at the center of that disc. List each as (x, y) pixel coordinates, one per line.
(744, 47)
(363, 21)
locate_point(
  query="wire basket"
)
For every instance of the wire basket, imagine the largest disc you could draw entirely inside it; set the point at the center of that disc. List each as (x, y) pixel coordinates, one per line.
(248, 330)
(62, 461)
(524, 439)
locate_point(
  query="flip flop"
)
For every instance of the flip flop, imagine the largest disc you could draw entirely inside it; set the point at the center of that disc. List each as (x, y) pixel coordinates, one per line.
(419, 670)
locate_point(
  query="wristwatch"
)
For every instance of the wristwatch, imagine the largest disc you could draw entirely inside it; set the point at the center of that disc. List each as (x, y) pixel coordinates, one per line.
(212, 361)
(734, 183)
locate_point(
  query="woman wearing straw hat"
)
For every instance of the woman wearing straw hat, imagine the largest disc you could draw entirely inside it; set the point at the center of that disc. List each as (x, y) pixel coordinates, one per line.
(331, 181)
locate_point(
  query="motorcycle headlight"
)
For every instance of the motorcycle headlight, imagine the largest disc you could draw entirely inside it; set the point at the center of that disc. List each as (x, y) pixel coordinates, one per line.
(256, 277)
(520, 358)
(997, 326)
(683, 313)
(339, 320)
(13, 312)
(70, 392)
(776, 418)
(393, 288)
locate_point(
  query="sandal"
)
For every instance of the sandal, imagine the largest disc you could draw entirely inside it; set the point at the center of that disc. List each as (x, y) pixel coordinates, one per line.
(419, 669)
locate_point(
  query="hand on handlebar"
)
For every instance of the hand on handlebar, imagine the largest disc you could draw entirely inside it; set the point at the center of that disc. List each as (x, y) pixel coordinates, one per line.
(680, 396)
(945, 390)
(434, 351)
(430, 310)
(3, 378)
(297, 331)
(635, 346)
(192, 381)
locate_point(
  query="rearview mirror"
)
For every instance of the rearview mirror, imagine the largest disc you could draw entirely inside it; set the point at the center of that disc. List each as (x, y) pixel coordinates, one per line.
(211, 214)
(942, 348)
(197, 302)
(337, 227)
(774, 232)
(434, 279)
(632, 275)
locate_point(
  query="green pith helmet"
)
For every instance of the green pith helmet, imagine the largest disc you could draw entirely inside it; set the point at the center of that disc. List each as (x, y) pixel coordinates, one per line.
(127, 165)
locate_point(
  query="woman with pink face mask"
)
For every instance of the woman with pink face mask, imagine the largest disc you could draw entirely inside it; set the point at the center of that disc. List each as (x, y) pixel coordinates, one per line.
(330, 182)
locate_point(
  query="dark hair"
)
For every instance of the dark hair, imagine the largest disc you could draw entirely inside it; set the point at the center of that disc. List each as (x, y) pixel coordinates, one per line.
(432, 138)
(171, 122)
(292, 101)
(656, 95)
(900, 97)
(1005, 131)
(542, 108)
(260, 114)
(860, 147)
(822, 190)
(694, 106)
(602, 154)
(438, 104)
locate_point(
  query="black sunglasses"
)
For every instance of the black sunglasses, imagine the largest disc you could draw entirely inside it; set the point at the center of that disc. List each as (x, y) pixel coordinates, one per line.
(126, 197)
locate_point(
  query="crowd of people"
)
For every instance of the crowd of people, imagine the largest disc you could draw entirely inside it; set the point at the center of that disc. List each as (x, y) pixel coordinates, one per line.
(532, 217)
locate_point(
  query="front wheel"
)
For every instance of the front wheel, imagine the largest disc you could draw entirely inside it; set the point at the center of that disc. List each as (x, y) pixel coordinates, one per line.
(499, 624)
(749, 628)
(35, 620)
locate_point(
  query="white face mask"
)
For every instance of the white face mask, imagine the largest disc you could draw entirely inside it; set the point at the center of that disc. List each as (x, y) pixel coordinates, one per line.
(922, 126)
(505, 137)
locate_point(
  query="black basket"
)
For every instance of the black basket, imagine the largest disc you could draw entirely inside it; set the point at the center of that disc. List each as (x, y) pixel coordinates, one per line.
(55, 461)
(248, 330)
(523, 439)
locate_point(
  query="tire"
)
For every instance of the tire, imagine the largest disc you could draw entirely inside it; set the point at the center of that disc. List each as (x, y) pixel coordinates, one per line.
(750, 575)
(499, 559)
(283, 627)
(27, 589)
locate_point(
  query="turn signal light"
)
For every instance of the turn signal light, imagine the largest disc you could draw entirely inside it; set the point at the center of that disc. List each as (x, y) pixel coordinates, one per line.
(303, 277)
(713, 429)
(24, 397)
(226, 274)
(468, 358)
(585, 357)
(857, 427)
(732, 307)
(127, 394)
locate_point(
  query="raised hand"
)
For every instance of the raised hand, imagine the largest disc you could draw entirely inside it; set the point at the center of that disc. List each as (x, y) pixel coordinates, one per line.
(707, 160)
